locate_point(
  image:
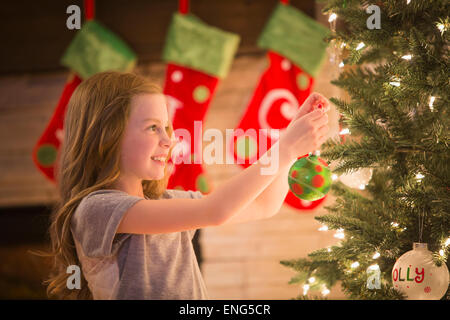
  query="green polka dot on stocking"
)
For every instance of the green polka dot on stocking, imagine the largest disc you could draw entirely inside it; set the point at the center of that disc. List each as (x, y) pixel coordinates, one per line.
(201, 94)
(302, 81)
(246, 147)
(46, 155)
(202, 184)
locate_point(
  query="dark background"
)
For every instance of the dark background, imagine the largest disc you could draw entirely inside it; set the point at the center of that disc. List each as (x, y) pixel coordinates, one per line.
(34, 34)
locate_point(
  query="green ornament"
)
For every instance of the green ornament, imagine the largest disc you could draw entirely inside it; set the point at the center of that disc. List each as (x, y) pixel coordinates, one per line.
(309, 178)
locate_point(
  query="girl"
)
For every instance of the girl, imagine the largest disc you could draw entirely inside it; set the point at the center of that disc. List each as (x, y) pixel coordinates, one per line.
(114, 166)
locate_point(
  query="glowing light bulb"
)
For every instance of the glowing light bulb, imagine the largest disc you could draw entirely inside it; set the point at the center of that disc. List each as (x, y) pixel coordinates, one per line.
(447, 242)
(334, 177)
(355, 265)
(419, 176)
(394, 224)
(376, 255)
(441, 27)
(311, 280)
(395, 82)
(408, 1)
(362, 186)
(343, 44)
(344, 131)
(325, 291)
(360, 46)
(339, 234)
(407, 57)
(323, 228)
(441, 252)
(329, 249)
(374, 267)
(431, 102)
(341, 65)
(332, 17)
(305, 289)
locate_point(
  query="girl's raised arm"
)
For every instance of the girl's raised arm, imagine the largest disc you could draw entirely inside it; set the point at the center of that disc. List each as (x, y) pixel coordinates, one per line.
(303, 135)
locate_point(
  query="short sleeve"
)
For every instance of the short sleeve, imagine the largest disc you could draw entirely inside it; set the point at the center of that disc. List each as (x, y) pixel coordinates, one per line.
(174, 193)
(96, 219)
(194, 195)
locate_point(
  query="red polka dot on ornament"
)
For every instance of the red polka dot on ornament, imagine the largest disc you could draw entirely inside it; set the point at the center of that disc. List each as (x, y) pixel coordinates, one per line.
(294, 174)
(318, 168)
(318, 181)
(297, 188)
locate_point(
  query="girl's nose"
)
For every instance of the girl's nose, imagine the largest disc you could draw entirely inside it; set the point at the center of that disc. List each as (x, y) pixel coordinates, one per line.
(167, 141)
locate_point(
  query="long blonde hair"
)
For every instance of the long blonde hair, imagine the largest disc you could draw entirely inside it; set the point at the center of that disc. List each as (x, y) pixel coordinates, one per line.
(94, 124)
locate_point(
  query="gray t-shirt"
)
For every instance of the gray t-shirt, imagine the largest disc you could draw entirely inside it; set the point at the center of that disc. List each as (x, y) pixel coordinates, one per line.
(134, 266)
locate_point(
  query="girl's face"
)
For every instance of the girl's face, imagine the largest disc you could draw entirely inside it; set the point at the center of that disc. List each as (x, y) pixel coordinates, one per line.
(146, 144)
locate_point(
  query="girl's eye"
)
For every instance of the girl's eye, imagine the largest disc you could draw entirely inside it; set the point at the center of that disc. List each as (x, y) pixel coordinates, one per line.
(153, 127)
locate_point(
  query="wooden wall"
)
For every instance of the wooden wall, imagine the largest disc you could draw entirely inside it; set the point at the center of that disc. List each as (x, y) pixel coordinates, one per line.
(239, 261)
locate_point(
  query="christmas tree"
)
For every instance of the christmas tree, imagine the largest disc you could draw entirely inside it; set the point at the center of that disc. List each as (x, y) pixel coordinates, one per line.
(396, 71)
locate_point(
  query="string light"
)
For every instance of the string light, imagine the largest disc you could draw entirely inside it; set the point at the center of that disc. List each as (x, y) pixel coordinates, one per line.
(394, 224)
(431, 102)
(325, 291)
(329, 249)
(332, 17)
(395, 82)
(441, 252)
(339, 234)
(376, 255)
(362, 186)
(323, 228)
(305, 289)
(311, 280)
(360, 46)
(374, 267)
(408, 1)
(447, 242)
(441, 27)
(344, 131)
(407, 57)
(341, 65)
(343, 44)
(419, 176)
(354, 265)
(334, 177)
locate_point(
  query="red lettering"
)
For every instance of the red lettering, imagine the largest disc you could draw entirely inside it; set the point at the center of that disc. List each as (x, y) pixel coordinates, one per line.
(418, 279)
(395, 274)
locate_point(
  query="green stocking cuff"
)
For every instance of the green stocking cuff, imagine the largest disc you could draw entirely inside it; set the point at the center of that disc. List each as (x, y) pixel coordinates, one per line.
(194, 44)
(296, 36)
(95, 49)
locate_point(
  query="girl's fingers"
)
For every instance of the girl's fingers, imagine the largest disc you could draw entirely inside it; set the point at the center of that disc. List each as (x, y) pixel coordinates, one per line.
(311, 103)
(322, 139)
(314, 115)
(322, 120)
(323, 131)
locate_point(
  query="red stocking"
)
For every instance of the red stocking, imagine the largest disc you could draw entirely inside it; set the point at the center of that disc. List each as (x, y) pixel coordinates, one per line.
(292, 40)
(198, 55)
(46, 149)
(189, 94)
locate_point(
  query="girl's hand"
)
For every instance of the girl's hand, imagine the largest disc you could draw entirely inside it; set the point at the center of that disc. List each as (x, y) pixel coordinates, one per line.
(308, 130)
